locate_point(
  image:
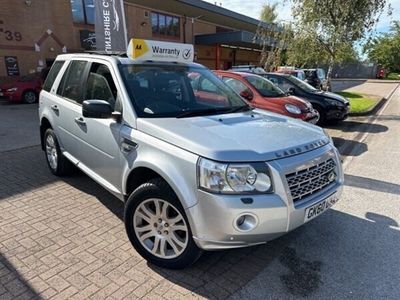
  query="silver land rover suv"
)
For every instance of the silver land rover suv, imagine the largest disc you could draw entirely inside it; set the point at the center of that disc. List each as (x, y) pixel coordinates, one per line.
(197, 167)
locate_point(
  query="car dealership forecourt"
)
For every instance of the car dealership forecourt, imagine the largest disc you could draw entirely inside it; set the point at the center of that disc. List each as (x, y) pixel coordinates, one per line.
(182, 159)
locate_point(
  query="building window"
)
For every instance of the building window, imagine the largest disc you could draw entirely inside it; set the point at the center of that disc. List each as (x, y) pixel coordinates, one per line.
(165, 25)
(83, 11)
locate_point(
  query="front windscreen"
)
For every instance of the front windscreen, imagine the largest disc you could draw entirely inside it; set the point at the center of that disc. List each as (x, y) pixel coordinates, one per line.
(265, 87)
(158, 91)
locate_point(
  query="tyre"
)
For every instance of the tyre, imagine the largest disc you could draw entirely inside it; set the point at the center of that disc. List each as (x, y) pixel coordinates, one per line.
(29, 97)
(56, 161)
(158, 228)
(322, 115)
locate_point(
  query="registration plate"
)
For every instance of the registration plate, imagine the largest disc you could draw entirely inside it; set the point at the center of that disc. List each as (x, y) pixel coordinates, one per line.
(318, 208)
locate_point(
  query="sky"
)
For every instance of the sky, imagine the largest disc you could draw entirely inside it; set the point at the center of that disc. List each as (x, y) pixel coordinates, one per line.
(252, 9)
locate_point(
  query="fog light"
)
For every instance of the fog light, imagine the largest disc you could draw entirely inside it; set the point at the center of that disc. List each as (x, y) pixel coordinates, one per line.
(245, 222)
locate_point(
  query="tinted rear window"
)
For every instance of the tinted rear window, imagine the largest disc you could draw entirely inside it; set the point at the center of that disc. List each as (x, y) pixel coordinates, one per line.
(51, 77)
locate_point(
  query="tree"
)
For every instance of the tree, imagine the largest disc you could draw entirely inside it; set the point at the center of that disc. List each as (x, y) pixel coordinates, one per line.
(268, 13)
(385, 49)
(327, 29)
(273, 36)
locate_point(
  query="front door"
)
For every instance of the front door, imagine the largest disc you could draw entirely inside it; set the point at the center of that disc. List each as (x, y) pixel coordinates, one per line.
(94, 143)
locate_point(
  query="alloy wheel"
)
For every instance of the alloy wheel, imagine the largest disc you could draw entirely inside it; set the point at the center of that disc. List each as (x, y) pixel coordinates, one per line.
(51, 152)
(160, 228)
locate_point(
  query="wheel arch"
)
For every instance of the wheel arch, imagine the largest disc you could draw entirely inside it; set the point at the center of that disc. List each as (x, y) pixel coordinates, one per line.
(44, 125)
(144, 172)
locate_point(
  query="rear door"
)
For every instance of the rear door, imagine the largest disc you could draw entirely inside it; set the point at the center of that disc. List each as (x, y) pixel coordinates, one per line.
(67, 108)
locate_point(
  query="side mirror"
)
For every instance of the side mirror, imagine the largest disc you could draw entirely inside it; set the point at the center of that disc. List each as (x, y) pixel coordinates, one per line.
(291, 91)
(97, 109)
(247, 94)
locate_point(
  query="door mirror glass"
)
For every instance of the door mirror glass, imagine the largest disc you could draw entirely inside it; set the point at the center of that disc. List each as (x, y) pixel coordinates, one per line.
(247, 94)
(97, 109)
(291, 91)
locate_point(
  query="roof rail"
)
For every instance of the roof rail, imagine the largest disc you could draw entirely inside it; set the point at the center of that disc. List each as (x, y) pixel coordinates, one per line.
(109, 53)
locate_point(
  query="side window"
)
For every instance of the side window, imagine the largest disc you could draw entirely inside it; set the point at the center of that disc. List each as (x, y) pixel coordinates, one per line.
(71, 85)
(100, 85)
(282, 83)
(51, 77)
(206, 85)
(235, 84)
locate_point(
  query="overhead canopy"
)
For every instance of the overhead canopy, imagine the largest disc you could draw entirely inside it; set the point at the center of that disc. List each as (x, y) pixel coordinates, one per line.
(232, 38)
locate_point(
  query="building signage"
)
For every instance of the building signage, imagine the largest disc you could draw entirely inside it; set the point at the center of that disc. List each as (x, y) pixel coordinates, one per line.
(110, 25)
(88, 39)
(12, 65)
(161, 51)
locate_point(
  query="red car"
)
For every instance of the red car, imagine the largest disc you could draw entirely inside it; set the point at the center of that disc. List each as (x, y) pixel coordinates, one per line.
(26, 89)
(263, 94)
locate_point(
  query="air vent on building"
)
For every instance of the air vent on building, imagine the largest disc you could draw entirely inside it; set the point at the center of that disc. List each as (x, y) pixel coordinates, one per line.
(146, 14)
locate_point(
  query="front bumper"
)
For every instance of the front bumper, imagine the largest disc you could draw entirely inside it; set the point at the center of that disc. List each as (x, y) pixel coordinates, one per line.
(338, 112)
(213, 218)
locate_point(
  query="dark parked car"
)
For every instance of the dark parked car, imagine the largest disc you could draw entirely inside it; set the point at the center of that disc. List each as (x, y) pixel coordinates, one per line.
(317, 78)
(26, 89)
(329, 105)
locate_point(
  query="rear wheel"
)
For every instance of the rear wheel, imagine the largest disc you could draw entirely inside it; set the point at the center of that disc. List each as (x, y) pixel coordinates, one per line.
(158, 228)
(56, 161)
(29, 97)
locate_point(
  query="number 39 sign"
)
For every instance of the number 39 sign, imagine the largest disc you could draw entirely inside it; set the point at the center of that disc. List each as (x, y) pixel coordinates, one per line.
(10, 35)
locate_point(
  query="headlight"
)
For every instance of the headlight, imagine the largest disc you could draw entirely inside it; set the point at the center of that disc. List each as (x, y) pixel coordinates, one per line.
(293, 109)
(334, 102)
(12, 89)
(327, 135)
(234, 178)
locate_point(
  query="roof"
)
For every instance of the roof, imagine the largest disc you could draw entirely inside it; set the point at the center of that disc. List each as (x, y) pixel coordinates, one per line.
(202, 10)
(122, 59)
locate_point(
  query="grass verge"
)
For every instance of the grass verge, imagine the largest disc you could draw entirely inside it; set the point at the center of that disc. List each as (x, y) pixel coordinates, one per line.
(360, 103)
(393, 76)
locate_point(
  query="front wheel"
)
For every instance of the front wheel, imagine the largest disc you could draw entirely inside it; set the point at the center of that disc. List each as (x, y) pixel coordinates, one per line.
(158, 228)
(322, 115)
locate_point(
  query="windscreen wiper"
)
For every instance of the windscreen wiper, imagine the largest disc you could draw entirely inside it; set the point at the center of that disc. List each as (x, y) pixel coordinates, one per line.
(202, 112)
(236, 109)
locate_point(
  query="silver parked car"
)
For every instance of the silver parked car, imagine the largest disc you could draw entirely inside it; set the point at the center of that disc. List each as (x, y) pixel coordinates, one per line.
(197, 167)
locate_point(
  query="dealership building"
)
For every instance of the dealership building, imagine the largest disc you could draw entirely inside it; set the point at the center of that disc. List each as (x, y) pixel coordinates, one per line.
(34, 32)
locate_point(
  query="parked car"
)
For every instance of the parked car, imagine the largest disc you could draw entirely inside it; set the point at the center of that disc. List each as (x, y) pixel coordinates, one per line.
(262, 93)
(317, 78)
(26, 89)
(331, 107)
(381, 73)
(194, 174)
(292, 71)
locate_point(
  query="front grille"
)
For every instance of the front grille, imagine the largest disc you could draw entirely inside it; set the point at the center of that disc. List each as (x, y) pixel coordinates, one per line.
(306, 182)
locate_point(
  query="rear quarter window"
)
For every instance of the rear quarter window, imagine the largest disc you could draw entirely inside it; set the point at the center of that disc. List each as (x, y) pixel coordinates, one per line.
(51, 77)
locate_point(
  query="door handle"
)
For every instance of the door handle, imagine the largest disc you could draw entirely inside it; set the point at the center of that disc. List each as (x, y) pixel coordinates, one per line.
(80, 121)
(55, 108)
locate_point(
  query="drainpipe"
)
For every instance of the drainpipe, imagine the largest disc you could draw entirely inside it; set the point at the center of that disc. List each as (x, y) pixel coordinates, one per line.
(184, 28)
(217, 56)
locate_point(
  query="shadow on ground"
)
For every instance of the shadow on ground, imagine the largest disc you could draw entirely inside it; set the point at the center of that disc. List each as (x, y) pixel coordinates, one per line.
(349, 147)
(354, 126)
(12, 284)
(372, 184)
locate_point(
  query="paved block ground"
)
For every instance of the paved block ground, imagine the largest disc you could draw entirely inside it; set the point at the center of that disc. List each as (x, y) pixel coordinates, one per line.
(64, 238)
